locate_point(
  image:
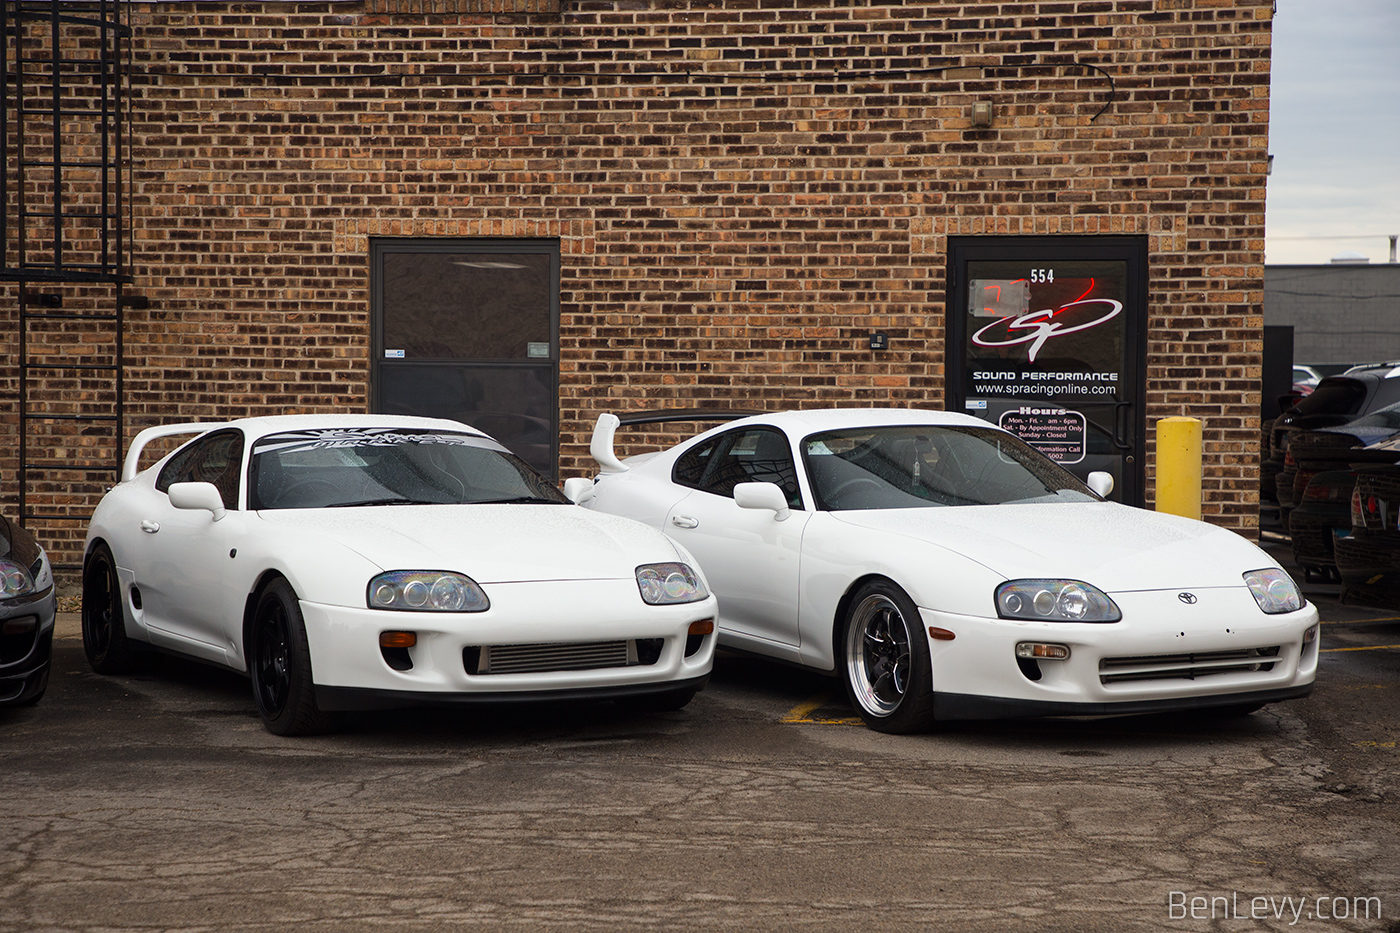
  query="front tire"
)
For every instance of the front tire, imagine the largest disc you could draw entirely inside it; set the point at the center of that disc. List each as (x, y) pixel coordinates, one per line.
(104, 620)
(279, 661)
(887, 670)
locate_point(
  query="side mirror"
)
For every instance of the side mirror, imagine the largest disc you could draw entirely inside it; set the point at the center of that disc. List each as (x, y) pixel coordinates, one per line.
(1101, 483)
(762, 496)
(198, 496)
(579, 489)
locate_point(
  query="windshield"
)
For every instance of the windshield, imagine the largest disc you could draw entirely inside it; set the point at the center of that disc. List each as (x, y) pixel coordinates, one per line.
(918, 466)
(1337, 395)
(343, 467)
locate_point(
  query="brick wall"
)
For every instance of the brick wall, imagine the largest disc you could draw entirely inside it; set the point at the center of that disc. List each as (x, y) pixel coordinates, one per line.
(742, 191)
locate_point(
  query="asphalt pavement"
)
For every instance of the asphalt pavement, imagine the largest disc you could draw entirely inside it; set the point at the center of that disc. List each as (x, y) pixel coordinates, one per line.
(158, 802)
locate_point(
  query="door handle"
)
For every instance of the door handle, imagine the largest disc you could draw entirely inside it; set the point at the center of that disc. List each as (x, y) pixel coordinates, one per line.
(684, 521)
(1121, 433)
(149, 527)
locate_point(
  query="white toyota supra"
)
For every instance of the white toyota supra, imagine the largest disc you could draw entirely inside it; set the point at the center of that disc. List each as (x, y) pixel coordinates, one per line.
(946, 570)
(355, 562)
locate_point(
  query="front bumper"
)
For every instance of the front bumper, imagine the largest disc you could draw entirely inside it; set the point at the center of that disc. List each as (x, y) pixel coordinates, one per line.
(1163, 655)
(581, 619)
(26, 648)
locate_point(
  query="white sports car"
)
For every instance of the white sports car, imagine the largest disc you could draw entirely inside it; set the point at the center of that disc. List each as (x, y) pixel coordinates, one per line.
(947, 570)
(355, 562)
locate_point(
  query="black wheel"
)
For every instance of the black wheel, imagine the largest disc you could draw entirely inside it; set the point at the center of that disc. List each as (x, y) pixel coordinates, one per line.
(104, 621)
(280, 664)
(666, 702)
(888, 674)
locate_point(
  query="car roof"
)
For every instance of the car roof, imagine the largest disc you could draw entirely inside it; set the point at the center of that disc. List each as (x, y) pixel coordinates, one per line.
(276, 424)
(811, 420)
(255, 428)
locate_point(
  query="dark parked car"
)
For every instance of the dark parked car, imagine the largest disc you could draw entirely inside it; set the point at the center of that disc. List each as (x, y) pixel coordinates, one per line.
(1309, 452)
(1336, 401)
(1368, 559)
(1322, 515)
(26, 616)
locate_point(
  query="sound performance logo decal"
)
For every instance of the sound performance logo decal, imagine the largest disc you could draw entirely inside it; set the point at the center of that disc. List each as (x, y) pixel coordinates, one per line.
(1041, 326)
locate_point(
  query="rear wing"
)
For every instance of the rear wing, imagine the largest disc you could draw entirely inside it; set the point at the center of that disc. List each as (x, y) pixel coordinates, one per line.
(131, 465)
(601, 447)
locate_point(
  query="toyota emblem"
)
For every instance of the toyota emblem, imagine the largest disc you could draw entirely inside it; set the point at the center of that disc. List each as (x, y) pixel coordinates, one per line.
(1187, 598)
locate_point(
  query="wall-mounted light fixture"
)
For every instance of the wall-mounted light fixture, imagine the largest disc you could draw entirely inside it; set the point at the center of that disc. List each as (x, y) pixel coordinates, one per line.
(981, 113)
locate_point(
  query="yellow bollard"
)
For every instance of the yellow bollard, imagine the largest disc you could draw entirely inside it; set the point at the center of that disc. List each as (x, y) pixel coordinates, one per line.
(1179, 466)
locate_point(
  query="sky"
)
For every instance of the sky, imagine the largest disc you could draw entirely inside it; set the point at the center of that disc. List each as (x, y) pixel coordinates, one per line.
(1334, 130)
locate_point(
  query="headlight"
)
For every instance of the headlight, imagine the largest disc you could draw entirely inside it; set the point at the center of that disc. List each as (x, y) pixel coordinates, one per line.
(1274, 590)
(665, 584)
(14, 580)
(427, 591)
(1054, 601)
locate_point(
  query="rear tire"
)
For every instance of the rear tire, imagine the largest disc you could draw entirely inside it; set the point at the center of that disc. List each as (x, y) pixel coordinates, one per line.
(279, 662)
(104, 618)
(886, 666)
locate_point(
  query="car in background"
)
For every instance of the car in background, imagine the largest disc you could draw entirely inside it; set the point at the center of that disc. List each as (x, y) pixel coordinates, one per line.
(944, 569)
(1368, 559)
(1304, 375)
(351, 562)
(1335, 401)
(26, 616)
(1308, 451)
(1322, 515)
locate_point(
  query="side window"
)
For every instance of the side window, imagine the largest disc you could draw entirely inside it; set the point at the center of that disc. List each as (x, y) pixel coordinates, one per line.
(751, 455)
(215, 459)
(690, 468)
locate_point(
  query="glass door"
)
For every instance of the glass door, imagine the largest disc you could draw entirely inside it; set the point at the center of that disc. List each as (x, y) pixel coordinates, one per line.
(1047, 338)
(469, 330)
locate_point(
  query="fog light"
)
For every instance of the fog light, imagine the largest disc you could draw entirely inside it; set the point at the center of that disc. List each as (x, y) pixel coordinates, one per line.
(703, 627)
(1310, 635)
(20, 626)
(1027, 649)
(398, 639)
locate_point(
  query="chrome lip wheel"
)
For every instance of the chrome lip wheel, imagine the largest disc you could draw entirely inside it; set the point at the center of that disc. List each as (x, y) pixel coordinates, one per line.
(877, 655)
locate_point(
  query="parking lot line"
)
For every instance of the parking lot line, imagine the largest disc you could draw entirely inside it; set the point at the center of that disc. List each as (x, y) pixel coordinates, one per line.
(1364, 648)
(802, 713)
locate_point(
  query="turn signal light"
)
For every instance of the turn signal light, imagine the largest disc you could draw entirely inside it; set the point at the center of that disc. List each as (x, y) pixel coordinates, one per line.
(940, 634)
(398, 639)
(703, 627)
(1028, 649)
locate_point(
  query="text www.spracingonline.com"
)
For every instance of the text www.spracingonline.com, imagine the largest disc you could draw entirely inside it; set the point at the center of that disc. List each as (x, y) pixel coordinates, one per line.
(1236, 906)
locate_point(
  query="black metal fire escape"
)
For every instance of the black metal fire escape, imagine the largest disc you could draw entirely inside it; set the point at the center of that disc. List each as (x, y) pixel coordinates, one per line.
(65, 227)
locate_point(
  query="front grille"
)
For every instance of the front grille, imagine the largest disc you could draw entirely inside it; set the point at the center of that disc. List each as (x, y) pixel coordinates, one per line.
(1188, 666)
(561, 656)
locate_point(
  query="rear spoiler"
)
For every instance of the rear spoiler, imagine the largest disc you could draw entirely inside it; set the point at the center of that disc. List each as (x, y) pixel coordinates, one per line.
(133, 453)
(601, 447)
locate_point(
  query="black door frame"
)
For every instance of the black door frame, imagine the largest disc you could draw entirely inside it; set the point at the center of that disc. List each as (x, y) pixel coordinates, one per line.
(379, 246)
(1128, 432)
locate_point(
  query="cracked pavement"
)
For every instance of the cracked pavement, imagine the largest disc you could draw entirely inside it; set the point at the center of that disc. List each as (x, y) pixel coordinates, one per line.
(158, 802)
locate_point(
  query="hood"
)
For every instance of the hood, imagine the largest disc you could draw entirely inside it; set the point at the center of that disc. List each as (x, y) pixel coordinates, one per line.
(489, 543)
(1113, 547)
